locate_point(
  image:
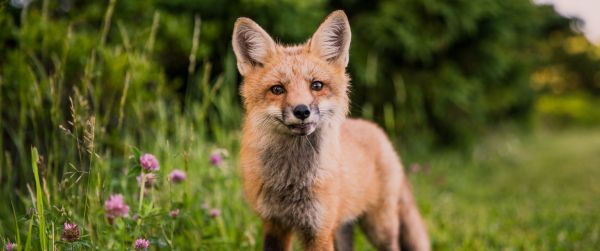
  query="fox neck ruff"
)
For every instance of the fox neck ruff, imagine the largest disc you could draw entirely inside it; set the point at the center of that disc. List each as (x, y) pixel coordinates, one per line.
(290, 169)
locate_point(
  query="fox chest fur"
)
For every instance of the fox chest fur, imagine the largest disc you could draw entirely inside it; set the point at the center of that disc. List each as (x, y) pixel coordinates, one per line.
(290, 168)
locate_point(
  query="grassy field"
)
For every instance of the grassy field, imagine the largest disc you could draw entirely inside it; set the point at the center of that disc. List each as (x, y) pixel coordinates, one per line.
(533, 192)
(537, 192)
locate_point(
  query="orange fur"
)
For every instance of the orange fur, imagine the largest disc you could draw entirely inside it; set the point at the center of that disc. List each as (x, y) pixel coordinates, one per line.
(327, 169)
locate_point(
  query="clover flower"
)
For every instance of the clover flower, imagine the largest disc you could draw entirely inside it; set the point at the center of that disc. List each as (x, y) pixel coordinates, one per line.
(141, 244)
(10, 246)
(70, 232)
(215, 213)
(115, 207)
(177, 176)
(149, 163)
(174, 213)
(216, 158)
(415, 167)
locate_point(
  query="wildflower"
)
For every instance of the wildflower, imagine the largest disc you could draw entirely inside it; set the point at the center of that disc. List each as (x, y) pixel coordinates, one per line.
(215, 213)
(174, 213)
(415, 168)
(216, 158)
(150, 180)
(11, 246)
(141, 244)
(115, 207)
(177, 176)
(70, 232)
(149, 163)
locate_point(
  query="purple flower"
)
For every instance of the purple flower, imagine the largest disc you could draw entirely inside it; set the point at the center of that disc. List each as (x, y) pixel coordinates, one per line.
(174, 213)
(216, 158)
(115, 207)
(141, 244)
(415, 167)
(150, 179)
(70, 232)
(177, 176)
(215, 213)
(10, 246)
(149, 163)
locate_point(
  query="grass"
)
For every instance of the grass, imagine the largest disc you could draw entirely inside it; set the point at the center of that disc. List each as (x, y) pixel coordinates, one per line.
(529, 192)
(39, 205)
(535, 192)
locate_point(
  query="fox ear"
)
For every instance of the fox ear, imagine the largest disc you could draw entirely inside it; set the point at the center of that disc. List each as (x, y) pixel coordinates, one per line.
(251, 45)
(331, 41)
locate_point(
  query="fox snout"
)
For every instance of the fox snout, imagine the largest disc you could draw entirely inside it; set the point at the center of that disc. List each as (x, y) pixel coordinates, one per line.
(301, 119)
(301, 112)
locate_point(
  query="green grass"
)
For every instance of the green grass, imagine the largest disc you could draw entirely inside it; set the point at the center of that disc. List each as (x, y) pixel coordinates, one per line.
(39, 205)
(536, 192)
(533, 192)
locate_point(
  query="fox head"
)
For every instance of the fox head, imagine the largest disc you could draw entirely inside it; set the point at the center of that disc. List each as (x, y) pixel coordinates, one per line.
(294, 90)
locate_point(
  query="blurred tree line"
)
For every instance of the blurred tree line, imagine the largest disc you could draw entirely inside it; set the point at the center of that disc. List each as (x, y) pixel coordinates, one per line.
(431, 72)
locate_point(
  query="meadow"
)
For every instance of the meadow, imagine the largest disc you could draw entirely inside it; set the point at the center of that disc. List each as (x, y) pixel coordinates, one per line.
(86, 95)
(515, 192)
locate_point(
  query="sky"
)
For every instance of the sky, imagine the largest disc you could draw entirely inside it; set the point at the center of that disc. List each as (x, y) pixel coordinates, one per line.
(586, 10)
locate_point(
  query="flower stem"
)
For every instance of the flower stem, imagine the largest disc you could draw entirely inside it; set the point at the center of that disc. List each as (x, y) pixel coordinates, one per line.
(142, 186)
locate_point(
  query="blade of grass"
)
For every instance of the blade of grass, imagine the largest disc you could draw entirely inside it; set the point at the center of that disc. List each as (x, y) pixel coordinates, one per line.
(40, 200)
(122, 101)
(192, 59)
(17, 232)
(151, 39)
(208, 97)
(53, 240)
(28, 241)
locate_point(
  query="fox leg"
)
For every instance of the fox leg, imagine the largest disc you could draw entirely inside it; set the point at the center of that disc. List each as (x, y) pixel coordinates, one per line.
(322, 239)
(344, 237)
(382, 226)
(276, 237)
(322, 242)
(413, 230)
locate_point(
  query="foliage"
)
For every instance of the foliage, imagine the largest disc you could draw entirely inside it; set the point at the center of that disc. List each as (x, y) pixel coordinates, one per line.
(441, 72)
(575, 108)
(567, 80)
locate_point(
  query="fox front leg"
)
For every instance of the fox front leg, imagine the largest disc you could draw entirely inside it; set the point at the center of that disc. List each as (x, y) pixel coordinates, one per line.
(276, 237)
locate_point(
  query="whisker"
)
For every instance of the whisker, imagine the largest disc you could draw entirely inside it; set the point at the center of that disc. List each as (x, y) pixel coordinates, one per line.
(311, 145)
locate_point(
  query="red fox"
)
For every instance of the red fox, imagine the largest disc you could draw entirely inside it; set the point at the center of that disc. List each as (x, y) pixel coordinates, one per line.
(306, 168)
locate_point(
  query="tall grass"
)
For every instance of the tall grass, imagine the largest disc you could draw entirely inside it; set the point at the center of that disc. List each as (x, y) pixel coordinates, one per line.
(39, 198)
(86, 99)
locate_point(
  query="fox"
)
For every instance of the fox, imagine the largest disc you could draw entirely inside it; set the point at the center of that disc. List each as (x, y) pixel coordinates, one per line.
(308, 171)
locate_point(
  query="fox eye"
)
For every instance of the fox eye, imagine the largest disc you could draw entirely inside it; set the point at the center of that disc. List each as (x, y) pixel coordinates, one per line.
(277, 89)
(316, 85)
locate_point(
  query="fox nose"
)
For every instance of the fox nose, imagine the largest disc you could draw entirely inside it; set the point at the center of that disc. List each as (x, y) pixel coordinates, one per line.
(301, 111)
